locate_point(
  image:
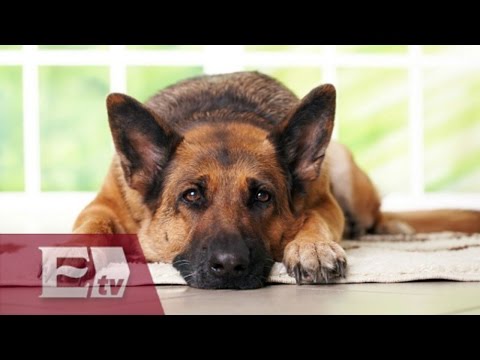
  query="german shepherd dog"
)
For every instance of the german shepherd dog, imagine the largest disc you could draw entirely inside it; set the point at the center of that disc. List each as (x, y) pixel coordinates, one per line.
(223, 175)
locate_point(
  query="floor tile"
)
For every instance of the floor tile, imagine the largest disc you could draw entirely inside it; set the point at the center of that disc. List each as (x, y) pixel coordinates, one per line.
(413, 288)
(175, 291)
(421, 298)
(471, 311)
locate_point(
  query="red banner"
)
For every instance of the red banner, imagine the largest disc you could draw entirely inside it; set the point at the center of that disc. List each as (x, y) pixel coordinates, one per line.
(75, 274)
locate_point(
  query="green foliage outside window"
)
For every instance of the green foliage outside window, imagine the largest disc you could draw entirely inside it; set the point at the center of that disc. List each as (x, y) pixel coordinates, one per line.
(372, 115)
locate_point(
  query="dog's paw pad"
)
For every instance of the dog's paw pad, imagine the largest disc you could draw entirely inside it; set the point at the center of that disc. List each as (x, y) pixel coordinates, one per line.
(315, 262)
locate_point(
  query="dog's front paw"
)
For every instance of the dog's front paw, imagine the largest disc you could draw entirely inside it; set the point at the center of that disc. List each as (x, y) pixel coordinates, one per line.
(315, 261)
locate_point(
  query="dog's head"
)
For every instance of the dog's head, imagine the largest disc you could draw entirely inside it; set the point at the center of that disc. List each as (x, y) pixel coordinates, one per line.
(223, 197)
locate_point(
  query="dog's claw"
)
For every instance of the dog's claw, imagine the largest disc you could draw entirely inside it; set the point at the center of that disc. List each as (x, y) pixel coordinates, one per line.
(325, 274)
(315, 262)
(341, 266)
(298, 274)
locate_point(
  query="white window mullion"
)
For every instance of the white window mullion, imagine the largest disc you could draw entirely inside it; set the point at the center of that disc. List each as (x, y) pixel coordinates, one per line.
(118, 69)
(330, 65)
(220, 59)
(31, 121)
(415, 123)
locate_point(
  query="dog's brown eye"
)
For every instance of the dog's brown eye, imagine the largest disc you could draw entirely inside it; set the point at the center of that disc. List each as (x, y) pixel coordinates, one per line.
(191, 195)
(262, 196)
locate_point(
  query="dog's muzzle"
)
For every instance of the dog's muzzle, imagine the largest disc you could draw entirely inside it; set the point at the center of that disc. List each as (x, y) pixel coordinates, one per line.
(226, 261)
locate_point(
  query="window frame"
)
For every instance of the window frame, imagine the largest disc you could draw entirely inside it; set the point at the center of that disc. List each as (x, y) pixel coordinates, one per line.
(227, 58)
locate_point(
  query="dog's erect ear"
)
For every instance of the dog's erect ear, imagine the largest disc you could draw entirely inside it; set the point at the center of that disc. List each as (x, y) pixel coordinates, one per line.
(143, 141)
(304, 135)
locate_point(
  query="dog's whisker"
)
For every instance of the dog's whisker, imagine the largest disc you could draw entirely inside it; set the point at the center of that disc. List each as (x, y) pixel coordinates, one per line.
(181, 262)
(190, 275)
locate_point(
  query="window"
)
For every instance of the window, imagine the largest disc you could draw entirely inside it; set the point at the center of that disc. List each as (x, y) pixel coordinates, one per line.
(410, 114)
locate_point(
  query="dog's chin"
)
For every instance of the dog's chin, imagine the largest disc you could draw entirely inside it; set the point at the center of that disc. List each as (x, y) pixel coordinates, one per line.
(208, 282)
(198, 276)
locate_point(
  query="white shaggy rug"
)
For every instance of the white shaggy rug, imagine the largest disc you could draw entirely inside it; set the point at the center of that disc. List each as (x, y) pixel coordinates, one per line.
(384, 259)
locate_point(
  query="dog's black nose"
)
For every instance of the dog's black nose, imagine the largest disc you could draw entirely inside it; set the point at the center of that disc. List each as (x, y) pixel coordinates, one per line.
(228, 264)
(225, 261)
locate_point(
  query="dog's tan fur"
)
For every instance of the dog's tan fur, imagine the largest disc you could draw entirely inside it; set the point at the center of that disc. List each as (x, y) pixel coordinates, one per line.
(306, 238)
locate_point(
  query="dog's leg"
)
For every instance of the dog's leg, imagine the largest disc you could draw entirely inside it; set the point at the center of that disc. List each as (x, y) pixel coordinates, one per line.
(314, 255)
(358, 197)
(108, 213)
(98, 218)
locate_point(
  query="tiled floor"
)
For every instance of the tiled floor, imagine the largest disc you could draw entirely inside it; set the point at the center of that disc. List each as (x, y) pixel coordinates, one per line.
(438, 297)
